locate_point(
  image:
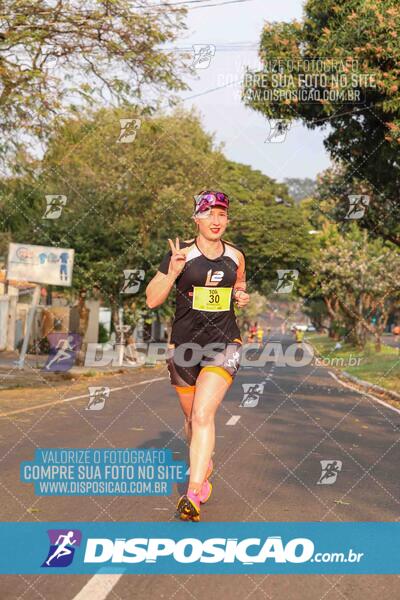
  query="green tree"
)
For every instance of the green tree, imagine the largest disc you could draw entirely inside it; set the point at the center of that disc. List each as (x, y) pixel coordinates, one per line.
(332, 200)
(358, 278)
(357, 45)
(299, 189)
(124, 200)
(58, 56)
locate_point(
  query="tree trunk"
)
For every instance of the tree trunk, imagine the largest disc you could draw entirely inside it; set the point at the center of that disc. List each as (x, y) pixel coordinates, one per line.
(115, 320)
(331, 307)
(380, 327)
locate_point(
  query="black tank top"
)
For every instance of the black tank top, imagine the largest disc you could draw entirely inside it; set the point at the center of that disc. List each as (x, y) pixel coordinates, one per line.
(196, 326)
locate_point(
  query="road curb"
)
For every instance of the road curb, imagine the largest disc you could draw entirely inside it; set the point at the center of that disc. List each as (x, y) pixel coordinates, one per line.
(369, 386)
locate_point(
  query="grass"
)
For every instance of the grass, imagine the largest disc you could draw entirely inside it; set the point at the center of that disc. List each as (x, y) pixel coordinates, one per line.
(381, 368)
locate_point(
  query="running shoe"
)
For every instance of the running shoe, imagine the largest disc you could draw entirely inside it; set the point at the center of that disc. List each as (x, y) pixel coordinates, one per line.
(188, 507)
(206, 488)
(205, 491)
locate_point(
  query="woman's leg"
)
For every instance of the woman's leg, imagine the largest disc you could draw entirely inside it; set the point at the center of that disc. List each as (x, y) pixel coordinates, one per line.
(211, 387)
(186, 397)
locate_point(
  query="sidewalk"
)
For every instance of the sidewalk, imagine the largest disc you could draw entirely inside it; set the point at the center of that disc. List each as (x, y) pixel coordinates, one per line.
(33, 374)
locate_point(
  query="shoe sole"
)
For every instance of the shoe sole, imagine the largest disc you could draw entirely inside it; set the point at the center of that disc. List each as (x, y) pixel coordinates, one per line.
(186, 510)
(208, 497)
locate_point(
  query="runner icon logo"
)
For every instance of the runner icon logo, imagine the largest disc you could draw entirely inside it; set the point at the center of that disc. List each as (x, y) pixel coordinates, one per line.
(234, 361)
(97, 397)
(251, 394)
(286, 280)
(128, 130)
(330, 470)
(277, 131)
(202, 55)
(357, 206)
(62, 547)
(63, 349)
(54, 206)
(133, 279)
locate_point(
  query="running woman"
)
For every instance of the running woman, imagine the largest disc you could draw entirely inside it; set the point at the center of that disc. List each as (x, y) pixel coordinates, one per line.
(209, 275)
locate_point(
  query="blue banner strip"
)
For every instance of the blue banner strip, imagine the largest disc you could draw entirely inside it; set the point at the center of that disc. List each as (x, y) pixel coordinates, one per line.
(208, 548)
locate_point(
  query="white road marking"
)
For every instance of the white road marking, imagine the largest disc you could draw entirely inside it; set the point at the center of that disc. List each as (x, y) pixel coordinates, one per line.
(364, 393)
(98, 587)
(122, 387)
(233, 420)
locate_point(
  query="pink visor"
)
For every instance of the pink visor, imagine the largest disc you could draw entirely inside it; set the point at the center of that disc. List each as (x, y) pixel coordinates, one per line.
(207, 200)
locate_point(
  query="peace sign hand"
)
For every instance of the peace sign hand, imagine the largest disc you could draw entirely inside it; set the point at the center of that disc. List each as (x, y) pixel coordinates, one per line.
(178, 259)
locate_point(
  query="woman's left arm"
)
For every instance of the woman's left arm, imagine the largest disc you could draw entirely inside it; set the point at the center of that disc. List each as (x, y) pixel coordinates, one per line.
(239, 289)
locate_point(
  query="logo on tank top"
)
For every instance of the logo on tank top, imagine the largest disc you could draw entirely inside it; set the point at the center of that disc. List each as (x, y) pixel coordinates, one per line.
(213, 278)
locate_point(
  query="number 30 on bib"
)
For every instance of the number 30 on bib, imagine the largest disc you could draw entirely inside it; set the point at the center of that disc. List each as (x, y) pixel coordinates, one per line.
(211, 299)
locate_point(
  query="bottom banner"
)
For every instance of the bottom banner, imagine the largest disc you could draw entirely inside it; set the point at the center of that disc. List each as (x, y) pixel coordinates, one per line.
(208, 548)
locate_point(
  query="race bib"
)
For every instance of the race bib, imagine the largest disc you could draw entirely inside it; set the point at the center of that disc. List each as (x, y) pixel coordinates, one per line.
(211, 299)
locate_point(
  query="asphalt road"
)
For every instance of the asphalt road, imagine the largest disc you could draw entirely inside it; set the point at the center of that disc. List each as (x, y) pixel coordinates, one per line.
(267, 466)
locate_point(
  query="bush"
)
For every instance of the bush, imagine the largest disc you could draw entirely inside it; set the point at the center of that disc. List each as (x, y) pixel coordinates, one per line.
(103, 334)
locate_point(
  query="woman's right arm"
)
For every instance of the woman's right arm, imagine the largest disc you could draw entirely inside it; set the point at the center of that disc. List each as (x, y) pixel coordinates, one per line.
(159, 288)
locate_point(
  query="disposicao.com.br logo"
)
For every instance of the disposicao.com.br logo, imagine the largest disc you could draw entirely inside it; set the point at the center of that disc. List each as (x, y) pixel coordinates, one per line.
(214, 548)
(247, 551)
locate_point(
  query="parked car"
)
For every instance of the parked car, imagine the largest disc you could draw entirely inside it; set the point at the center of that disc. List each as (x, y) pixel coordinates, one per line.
(298, 326)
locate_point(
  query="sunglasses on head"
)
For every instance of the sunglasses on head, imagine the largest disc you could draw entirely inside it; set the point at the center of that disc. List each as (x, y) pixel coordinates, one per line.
(206, 200)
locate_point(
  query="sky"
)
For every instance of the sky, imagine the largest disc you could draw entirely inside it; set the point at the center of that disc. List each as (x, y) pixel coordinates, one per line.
(234, 30)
